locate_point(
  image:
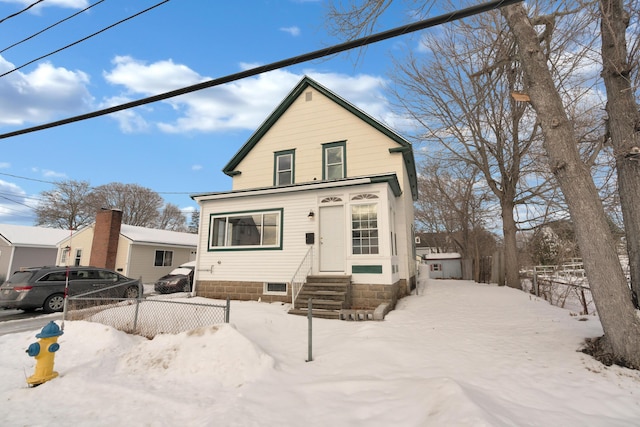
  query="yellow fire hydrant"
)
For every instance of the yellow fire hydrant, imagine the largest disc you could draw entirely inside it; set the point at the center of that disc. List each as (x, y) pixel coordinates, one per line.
(44, 352)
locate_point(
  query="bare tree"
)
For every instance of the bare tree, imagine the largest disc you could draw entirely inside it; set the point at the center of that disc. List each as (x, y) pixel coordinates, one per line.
(194, 224)
(66, 206)
(171, 218)
(453, 203)
(461, 95)
(139, 205)
(606, 279)
(624, 126)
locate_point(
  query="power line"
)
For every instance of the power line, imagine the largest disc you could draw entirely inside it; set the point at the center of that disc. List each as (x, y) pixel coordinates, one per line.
(406, 29)
(83, 39)
(50, 26)
(19, 12)
(186, 193)
(29, 179)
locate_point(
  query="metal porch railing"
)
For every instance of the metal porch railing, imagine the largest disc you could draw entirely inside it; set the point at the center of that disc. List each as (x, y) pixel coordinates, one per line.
(300, 276)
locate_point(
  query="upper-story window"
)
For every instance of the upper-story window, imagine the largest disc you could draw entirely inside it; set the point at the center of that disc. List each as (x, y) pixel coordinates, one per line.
(284, 167)
(334, 163)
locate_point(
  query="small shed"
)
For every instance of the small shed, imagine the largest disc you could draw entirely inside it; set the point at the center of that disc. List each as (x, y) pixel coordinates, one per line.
(444, 265)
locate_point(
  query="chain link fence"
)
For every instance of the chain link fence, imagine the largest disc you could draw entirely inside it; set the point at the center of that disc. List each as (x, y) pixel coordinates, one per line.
(146, 316)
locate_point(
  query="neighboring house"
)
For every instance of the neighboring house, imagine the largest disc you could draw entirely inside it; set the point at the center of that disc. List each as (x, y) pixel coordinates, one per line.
(24, 246)
(135, 252)
(432, 243)
(444, 265)
(320, 188)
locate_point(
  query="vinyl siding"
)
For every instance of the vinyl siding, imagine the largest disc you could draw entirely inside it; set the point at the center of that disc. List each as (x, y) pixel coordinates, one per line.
(142, 261)
(5, 258)
(83, 239)
(303, 127)
(280, 265)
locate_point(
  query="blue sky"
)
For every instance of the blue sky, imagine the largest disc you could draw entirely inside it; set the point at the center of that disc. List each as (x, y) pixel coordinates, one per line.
(176, 147)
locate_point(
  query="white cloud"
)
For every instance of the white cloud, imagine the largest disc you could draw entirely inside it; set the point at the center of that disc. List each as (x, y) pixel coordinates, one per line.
(15, 206)
(239, 105)
(196, 167)
(130, 121)
(294, 31)
(5, 165)
(44, 93)
(53, 174)
(72, 4)
(48, 173)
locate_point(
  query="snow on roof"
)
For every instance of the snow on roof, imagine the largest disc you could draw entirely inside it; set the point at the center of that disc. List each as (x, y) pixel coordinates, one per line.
(24, 235)
(448, 255)
(152, 235)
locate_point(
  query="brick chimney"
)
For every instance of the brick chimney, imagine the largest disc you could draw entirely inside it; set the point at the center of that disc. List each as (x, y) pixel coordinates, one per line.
(105, 238)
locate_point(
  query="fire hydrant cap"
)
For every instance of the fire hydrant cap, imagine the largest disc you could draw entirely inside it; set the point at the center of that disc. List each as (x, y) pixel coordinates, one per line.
(50, 330)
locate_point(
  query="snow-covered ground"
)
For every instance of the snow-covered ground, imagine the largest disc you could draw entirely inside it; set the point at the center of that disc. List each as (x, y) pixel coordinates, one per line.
(457, 354)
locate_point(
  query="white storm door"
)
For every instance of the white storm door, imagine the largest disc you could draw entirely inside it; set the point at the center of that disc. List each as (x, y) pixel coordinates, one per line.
(332, 255)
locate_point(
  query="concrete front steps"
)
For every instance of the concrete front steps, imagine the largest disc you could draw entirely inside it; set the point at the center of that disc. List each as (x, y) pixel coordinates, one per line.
(330, 295)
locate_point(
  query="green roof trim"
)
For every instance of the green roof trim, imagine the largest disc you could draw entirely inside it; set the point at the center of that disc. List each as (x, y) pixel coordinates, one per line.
(405, 146)
(392, 180)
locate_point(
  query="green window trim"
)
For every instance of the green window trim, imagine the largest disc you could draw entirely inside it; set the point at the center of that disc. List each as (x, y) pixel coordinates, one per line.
(229, 230)
(278, 172)
(326, 161)
(366, 269)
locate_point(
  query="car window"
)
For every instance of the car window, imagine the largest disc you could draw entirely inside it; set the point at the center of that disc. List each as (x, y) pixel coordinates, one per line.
(107, 275)
(79, 275)
(56, 276)
(20, 277)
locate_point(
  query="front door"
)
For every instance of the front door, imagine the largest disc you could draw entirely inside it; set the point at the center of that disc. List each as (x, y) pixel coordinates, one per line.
(332, 256)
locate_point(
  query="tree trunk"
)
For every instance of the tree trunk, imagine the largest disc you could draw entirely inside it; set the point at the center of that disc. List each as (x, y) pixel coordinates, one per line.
(509, 229)
(606, 278)
(624, 125)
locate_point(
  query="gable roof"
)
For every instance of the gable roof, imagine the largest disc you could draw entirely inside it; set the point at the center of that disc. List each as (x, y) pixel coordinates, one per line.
(154, 236)
(24, 235)
(404, 146)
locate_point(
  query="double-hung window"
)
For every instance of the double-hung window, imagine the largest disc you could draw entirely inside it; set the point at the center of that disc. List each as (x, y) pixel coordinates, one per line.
(246, 230)
(284, 167)
(364, 229)
(334, 161)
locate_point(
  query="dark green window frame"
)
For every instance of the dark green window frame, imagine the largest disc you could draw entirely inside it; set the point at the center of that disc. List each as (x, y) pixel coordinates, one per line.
(326, 161)
(278, 173)
(239, 231)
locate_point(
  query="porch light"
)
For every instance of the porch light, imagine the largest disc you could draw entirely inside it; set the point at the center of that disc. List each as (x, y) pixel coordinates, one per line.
(311, 214)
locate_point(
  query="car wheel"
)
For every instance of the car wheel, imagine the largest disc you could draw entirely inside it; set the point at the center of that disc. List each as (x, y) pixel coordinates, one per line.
(54, 303)
(132, 292)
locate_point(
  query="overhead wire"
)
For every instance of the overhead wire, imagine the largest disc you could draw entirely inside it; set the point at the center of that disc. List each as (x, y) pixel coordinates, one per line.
(83, 39)
(374, 38)
(56, 183)
(51, 26)
(13, 15)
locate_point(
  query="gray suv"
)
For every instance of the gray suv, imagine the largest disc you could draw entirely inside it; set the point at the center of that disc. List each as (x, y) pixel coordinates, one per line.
(43, 287)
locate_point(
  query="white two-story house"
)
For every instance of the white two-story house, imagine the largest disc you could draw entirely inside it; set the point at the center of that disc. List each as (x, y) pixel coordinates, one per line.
(320, 189)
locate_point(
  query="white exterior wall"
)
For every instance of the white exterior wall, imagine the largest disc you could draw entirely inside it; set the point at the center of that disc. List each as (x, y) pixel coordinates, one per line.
(303, 128)
(6, 254)
(406, 212)
(262, 265)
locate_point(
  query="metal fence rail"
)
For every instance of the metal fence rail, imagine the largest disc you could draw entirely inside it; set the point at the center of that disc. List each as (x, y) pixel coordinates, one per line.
(147, 317)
